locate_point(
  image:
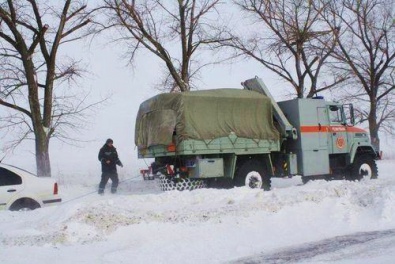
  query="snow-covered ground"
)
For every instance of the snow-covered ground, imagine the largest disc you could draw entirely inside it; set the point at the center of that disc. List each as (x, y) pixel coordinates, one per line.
(320, 222)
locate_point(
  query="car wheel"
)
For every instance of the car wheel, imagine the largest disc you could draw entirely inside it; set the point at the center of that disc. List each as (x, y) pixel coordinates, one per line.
(24, 205)
(253, 175)
(364, 166)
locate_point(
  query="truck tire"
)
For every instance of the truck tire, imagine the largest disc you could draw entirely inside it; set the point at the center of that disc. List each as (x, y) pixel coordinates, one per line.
(364, 166)
(168, 184)
(306, 179)
(253, 175)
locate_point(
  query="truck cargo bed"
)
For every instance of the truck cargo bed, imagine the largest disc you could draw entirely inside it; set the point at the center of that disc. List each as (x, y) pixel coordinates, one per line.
(230, 144)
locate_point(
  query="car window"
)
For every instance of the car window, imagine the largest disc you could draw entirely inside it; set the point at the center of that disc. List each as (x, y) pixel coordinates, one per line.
(9, 178)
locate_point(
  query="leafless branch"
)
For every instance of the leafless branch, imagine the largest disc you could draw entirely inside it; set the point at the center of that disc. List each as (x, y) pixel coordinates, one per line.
(366, 55)
(161, 27)
(288, 41)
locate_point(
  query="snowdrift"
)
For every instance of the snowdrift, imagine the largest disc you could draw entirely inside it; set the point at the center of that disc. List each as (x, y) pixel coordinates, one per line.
(143, 225)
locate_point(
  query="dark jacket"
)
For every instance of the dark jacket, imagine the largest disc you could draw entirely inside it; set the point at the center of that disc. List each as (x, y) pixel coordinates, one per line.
(110, 154)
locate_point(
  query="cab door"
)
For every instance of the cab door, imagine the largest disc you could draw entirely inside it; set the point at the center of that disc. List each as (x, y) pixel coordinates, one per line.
(337, 130)
(10, 186)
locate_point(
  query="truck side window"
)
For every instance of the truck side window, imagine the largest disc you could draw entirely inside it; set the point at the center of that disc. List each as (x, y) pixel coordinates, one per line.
(335, 115)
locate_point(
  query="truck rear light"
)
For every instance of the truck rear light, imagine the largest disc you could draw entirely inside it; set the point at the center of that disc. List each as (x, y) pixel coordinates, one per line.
(183, 169)
(55, 188)
(171, 147)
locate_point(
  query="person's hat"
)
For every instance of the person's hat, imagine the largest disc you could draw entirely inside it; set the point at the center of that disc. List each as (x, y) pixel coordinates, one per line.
(108, 141)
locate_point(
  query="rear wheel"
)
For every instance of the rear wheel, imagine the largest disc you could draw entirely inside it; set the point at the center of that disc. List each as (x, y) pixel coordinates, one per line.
(364, 166)
(253, 175)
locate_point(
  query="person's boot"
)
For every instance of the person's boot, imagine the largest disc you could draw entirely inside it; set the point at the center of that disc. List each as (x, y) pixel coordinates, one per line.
(113, 190)
(101, 191)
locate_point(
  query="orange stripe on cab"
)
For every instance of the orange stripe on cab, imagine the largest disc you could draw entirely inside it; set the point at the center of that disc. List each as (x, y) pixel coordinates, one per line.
(313, 129)
(318, 129)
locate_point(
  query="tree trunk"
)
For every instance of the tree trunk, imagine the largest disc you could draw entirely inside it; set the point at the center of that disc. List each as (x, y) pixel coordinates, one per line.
(41, 138)
(40, 132)
(300, 88)
(42, 155)
(373, 126)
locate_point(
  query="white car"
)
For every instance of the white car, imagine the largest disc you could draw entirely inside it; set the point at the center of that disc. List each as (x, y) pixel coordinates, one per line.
(21, 190)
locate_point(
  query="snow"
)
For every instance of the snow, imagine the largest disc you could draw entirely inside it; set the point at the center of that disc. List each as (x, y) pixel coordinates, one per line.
(141, 224)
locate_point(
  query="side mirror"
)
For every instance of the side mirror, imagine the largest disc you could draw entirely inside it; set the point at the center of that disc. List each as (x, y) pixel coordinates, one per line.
(349, 114)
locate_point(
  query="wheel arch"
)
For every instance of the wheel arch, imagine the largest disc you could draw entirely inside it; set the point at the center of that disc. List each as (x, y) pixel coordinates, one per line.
(23, 200)
(241, 159)
(361, 150)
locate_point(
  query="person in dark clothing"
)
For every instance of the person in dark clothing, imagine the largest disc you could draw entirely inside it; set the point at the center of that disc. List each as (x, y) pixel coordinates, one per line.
(108, 157)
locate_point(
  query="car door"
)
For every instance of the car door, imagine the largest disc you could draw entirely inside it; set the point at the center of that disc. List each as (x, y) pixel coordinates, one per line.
(10, 186)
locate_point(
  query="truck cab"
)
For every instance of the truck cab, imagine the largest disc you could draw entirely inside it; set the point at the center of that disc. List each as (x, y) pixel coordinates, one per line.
(328, 143)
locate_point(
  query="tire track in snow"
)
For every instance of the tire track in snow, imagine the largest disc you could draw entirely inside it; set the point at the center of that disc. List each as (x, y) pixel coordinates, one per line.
(311, 250)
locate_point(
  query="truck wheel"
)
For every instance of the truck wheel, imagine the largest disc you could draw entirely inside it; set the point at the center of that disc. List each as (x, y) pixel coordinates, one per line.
(364, 166)
(306, 179)
(168, 184)
(252, 174)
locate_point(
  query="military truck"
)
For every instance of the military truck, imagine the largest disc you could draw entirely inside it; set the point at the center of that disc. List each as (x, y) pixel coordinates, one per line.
(243, 137)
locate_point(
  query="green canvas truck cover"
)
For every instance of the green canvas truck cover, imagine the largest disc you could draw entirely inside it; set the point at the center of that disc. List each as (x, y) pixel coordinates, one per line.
(204, 115)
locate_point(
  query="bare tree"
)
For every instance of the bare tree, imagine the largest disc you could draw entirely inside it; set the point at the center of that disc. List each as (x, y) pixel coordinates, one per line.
(288, 40)
(30, 68)
(174, 31)
(366, 52)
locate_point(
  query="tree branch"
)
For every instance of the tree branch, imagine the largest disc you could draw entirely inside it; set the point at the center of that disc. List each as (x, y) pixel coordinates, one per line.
(15, 107)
